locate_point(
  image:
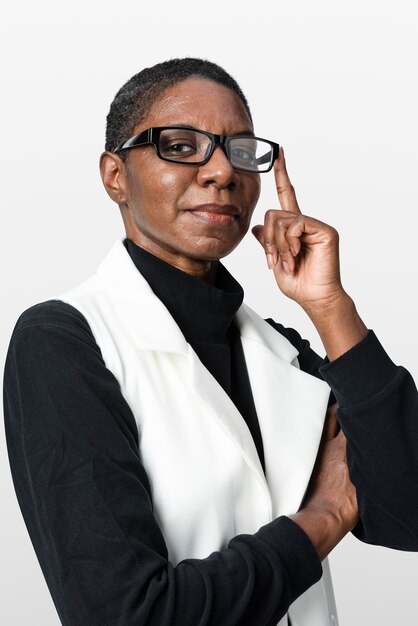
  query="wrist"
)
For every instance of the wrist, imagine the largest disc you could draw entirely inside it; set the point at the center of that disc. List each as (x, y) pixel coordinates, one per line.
(338, 324)
(324, 529)
(324, 309)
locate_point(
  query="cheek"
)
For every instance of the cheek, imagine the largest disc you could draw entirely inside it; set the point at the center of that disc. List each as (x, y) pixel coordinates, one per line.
(151, 180)
(256, 188)
(169, 184)
(253, 194)
(165, 187)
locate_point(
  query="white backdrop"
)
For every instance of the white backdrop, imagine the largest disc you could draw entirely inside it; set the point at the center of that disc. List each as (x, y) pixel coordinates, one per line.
(335, 83)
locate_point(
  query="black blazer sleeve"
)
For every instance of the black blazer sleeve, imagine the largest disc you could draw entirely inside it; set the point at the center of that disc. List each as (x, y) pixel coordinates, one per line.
(378, 412)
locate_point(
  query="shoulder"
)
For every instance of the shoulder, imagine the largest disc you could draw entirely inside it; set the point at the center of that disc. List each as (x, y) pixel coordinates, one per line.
(48, 321)
(53, 312)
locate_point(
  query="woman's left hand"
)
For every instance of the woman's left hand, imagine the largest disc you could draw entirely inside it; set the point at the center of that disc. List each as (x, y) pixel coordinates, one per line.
(301, 250)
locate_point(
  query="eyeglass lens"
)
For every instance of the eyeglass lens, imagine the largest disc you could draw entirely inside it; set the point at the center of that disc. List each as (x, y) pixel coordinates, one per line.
(190, 146)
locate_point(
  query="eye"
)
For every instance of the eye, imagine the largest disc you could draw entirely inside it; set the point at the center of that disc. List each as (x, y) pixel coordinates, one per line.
(178, 143)
(243, 153)
(179, 148)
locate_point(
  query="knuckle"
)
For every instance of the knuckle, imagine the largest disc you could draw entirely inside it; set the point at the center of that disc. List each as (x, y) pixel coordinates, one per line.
(333, 233)
(270, 214)
(292, 234)
(284, 188)
(282, 226)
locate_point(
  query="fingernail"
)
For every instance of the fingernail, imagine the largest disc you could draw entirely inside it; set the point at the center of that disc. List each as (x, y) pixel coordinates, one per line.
(286, 267)
(270, 260)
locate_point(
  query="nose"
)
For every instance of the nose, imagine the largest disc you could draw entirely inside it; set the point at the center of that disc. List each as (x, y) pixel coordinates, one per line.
(218, 171)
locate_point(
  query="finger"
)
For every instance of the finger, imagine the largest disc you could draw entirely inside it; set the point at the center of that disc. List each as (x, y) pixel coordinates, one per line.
(274, 237)
(269, 246)
(282, 244)
(341, 441)
(285, 190)
(257, 231)
(280, 229)
(280, 237)
(331, 426)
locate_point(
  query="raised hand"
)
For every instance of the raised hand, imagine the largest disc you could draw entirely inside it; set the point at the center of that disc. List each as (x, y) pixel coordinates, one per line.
(301, 250)
(303, 253)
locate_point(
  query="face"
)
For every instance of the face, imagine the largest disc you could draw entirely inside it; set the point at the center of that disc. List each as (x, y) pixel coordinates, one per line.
(188, 215)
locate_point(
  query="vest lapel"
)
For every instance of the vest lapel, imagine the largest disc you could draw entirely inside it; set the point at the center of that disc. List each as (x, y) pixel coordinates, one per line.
(147, 319)
(227, 416)
(291, 408)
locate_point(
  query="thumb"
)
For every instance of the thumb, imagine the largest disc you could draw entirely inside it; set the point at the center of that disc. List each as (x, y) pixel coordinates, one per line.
(257, 231)
(331, 425)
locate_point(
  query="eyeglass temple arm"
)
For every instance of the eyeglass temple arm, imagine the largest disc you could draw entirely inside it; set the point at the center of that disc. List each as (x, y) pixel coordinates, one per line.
(137, 140)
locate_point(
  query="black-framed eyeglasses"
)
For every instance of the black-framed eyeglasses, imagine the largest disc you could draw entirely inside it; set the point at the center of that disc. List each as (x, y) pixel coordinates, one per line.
(190, 146)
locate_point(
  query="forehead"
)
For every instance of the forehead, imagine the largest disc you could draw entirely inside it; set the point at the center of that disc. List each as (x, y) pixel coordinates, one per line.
(201, 103)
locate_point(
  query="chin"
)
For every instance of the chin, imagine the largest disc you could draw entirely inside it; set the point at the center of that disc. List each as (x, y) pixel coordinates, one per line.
(213, 251)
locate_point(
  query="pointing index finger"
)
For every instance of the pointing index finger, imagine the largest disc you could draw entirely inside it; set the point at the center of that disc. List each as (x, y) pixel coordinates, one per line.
(285, 190)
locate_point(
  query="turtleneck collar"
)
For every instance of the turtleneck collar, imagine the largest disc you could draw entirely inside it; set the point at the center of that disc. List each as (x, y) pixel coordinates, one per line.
(204, 312)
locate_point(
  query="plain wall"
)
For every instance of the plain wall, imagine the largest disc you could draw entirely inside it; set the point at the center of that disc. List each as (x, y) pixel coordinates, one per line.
(335, 83)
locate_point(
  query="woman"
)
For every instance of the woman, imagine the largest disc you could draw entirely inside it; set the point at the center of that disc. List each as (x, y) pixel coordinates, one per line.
(161, 434)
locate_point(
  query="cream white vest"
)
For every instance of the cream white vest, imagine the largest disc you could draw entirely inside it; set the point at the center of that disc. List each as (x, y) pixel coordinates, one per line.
(206, 478)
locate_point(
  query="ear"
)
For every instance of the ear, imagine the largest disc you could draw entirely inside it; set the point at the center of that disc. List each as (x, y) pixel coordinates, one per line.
(113, 173)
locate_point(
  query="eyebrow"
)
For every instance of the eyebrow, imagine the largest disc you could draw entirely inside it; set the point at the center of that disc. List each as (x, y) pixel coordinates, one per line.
(241, 132)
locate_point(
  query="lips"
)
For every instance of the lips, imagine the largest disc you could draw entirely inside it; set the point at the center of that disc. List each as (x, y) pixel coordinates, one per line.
(219, 209)
(219, 214)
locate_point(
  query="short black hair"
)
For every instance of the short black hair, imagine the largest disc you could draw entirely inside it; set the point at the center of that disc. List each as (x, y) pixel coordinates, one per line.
(136, 97)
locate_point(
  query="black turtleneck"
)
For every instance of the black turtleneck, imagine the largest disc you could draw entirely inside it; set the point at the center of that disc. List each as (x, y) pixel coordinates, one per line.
(204, 312)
